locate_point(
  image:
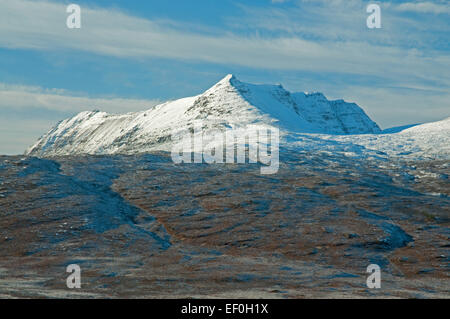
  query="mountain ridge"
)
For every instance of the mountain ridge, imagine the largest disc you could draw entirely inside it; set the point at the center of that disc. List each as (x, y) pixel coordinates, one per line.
(228, 103)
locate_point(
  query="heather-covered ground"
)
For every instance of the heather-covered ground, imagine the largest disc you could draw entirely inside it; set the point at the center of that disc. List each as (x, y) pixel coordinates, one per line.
(141, 226)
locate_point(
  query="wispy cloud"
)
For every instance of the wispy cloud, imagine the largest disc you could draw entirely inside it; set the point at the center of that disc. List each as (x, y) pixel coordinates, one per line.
(27, 97)
(425, 7)
(41, 25)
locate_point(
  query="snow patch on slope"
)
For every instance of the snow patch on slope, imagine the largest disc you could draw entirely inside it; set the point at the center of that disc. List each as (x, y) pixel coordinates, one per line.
(422, 142)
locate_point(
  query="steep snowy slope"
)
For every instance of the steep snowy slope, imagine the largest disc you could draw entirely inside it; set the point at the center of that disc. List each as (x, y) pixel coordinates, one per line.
(334, 116)
(229, 103)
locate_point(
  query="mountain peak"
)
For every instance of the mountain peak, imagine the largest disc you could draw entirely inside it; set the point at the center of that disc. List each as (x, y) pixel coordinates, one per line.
(229, 103)
(228, 83)
(229, 79)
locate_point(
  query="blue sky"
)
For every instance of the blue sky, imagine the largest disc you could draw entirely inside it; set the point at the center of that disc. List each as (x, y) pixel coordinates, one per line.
(130, 55)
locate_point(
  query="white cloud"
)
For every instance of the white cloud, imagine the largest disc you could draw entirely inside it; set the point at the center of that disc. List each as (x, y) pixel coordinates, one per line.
(23, 97)
(424, 7)
(41, 26)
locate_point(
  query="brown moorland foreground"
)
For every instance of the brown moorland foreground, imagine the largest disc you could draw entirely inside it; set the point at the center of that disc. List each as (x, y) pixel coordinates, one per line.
(141, 226)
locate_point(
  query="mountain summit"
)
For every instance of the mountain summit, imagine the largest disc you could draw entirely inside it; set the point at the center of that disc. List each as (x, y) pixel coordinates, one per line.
(229, 103)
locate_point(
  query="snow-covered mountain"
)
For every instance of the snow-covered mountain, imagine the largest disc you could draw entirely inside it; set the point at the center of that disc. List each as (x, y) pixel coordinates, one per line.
(229, 103)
